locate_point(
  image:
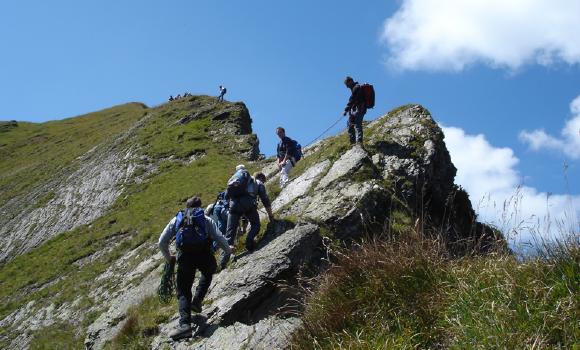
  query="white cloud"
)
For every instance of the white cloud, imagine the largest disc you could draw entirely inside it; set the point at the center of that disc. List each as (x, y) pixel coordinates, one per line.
(490, 177)
(451, 34)
(568, 143)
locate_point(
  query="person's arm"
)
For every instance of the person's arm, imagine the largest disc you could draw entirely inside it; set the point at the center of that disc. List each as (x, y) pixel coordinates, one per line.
(165, 239)
(289, 145)
(216, 235)
(265, 200)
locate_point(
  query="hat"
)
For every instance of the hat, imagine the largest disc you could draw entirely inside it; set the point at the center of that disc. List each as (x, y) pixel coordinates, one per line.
(241, 166)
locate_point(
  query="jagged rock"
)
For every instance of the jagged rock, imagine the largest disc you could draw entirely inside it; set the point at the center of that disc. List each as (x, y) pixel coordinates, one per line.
(248, 293)
(348, 163)
(300, 186)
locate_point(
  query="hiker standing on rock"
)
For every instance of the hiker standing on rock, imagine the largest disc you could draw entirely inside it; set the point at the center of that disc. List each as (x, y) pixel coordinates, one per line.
(288, 152)
(356, 109)
(193, 232)
(223, 91)
(244, 191)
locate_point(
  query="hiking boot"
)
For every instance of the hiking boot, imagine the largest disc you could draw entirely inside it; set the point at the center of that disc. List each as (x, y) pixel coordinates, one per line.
(196, 306)
(182, 331)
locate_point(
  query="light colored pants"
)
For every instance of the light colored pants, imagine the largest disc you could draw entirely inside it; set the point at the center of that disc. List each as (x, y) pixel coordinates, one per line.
(284, 173)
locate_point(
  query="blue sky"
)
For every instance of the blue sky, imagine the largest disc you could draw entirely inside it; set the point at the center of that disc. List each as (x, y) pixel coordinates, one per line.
(507, 71)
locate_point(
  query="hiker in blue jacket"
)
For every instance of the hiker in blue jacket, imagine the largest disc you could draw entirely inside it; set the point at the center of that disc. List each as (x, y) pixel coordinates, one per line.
(193, 232)
(356, 109)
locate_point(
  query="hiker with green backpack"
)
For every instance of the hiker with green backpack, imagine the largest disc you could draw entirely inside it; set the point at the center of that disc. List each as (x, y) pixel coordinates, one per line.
(193, 232)
(362, 97)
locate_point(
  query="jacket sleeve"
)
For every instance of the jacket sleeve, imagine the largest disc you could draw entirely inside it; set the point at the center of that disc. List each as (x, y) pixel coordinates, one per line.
(356, 98)
(165, 238)
(263, 195)
(215, 234)
(290, 149)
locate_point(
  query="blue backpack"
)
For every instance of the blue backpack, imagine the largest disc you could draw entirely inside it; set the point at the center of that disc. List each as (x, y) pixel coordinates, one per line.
(298, 151)
(191, 234)
(238, 184)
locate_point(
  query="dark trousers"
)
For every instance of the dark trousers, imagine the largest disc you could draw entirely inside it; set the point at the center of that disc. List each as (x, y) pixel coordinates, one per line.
(234, 221)
(355, 128)
(187, 264)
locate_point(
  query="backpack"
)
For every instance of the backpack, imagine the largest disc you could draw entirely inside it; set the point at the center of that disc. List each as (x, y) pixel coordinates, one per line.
(191, 234)
(238, 184)
(298, 151)
(369, 94)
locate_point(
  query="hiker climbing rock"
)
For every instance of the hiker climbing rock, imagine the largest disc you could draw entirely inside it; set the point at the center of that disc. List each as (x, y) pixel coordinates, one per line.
(193, 232)
(361, 98)
(244, 191)
(223, 91)
(288, 152)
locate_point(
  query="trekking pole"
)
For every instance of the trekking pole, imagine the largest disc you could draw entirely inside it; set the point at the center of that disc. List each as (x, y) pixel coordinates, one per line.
(324, 132)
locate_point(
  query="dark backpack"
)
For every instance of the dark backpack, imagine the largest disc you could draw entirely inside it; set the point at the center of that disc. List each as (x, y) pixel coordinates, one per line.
(297, 151)
(191, 234)
(238, 184)
(369, 94)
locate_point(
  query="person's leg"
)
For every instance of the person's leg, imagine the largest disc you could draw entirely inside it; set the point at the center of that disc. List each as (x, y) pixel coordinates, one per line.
(285, 173)
(232, 228)
(207, 266)
(185, 276)
(358, 127)
(351, 130)
(254, 219)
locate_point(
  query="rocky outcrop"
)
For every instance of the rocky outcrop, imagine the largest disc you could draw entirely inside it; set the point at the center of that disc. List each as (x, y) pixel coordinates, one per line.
(251, 301)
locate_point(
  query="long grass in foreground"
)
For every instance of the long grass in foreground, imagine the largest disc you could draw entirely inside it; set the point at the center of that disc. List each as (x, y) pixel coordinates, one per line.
(408, 294)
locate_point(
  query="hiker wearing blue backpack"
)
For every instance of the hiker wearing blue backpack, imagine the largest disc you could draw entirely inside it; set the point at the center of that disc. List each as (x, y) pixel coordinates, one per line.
(243, 192)
(193, 232)
(288, 152)
(362, 97)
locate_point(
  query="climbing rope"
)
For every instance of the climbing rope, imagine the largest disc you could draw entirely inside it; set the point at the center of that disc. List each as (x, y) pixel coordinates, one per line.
(167, 285)
(324, 132)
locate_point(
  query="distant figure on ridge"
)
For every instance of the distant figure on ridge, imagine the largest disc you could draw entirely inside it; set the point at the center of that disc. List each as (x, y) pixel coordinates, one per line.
(288, 152)
(244, 191)
(193, 232)
(171, 98)
(223, 91)
(362, 97)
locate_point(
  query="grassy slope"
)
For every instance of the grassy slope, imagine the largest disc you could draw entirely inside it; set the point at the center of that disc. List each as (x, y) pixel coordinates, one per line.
(136, 218)
(30, 154)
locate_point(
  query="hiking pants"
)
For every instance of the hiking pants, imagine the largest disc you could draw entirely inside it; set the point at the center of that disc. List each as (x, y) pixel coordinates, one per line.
(187, 264)
(355, 128)
(234, 221)
(285, 172)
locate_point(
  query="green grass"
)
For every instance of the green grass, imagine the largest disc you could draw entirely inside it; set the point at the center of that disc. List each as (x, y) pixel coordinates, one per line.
(49, 272)
(408, 294)
(31, 154)
(58, 336)
(142, 324)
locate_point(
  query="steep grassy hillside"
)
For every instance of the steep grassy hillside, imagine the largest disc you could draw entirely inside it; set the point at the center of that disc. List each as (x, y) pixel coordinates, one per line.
(30, 154)
(182, 148)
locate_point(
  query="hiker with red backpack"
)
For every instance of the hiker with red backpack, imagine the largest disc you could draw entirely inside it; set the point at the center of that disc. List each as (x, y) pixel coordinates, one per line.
(193, 232)
(362, 97)
(288, 152)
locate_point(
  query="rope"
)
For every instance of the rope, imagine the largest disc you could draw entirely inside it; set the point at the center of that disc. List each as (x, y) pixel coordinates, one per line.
(167, 285)
(324, 132)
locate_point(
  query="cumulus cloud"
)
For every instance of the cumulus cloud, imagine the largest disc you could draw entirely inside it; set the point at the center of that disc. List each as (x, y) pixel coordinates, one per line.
(495, 188)
(452, 34)
(569, 141)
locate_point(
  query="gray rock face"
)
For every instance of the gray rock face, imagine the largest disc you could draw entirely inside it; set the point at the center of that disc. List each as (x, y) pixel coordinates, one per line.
(78, 199)
(348, 163)
(301, 185)
(245, 298)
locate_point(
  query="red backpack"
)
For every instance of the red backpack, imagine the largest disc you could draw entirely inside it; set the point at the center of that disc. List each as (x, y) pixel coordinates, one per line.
(369, 93)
